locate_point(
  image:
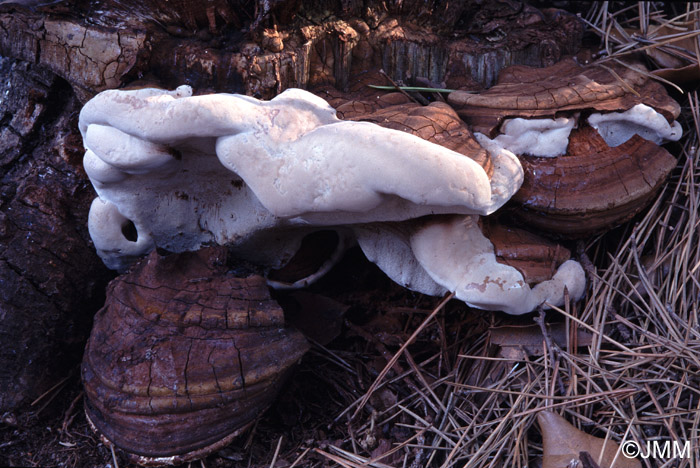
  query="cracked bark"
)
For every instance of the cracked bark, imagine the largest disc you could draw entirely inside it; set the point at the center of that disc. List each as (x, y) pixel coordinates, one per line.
(261, 49)
(51, 281)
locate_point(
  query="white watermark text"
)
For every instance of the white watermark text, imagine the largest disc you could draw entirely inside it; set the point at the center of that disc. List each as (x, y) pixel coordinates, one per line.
(656, 449)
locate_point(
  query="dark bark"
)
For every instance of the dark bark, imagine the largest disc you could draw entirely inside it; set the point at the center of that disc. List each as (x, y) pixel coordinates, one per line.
(51, 280)
(262, 48)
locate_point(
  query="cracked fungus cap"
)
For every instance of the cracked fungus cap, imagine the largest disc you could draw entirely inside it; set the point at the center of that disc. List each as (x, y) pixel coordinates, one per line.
(172, 373)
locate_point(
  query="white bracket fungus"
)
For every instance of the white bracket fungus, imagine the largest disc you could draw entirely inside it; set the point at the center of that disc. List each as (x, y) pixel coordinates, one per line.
(452, 254)
(179, 171)
(618, 127)
(550, 137)
(536, 137)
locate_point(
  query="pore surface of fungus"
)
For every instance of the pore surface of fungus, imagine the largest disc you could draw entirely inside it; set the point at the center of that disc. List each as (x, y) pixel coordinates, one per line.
(452, 254)
(181, 345)
(561, 89)
(470, 266)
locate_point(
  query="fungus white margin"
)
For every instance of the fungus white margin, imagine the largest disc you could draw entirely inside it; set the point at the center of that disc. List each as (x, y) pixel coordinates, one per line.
(537, 137)
(257, 176)
(618, 127)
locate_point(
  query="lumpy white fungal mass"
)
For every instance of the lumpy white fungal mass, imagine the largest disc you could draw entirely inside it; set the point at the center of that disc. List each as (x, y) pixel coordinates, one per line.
(179, 171)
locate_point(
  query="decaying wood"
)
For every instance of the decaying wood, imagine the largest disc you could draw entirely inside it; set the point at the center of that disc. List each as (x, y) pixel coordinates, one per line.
(51, 280)
(195, 46)
(262, 48)
(252, 47)
(183, 356)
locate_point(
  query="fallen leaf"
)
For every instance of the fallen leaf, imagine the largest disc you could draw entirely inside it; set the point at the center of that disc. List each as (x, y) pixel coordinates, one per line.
(675, 56)
(562, 443)
(518, 342)
(669, 47)
(678, 53)
(679, 76)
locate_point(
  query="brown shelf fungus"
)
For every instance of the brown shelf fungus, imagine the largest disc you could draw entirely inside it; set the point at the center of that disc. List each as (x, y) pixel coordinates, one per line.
(588, 139)
(437, 123)
(180, 172)
(535, 257)
(478, 273)
(593, 187)
(184, 356)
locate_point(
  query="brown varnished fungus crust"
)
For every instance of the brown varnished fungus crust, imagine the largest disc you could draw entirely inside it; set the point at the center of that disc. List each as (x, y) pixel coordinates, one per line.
(357, 109)
(359, 98)
(533, 256)
(437, 122)
(184, 356)
(565, 87)
(593, 186)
